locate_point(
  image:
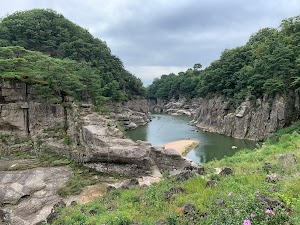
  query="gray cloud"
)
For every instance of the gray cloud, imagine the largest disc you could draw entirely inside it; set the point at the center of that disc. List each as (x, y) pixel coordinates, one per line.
(160, 35)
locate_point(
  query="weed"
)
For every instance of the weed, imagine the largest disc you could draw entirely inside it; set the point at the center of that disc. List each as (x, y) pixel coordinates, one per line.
(190, 147)
(68, 140)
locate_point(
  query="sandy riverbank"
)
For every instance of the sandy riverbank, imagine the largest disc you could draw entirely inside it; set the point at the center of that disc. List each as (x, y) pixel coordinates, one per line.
(182, 146)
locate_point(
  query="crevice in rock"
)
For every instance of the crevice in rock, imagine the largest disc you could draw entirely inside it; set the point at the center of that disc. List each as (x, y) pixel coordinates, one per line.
(24, 197)
(27, 121)
(66, 125)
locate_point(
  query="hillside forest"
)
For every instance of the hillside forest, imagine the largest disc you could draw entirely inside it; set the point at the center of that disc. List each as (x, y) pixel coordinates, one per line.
(58, 58)
(268, 64)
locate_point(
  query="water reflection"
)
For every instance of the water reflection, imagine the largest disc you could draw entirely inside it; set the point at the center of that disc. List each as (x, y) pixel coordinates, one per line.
(167, 128)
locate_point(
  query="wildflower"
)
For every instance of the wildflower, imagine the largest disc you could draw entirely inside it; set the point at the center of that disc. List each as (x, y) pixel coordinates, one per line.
(247, 222)
(229, 194)
(252, 215)
(270, 211)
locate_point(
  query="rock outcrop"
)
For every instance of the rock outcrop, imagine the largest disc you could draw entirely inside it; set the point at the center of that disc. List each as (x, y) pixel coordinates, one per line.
(252, 119)
(132, 113)
(79, 133)
(28, 196)
(175, 107)
(75, 131)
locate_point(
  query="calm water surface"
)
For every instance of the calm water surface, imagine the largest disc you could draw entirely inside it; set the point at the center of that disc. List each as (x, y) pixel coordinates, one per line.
(166, 128)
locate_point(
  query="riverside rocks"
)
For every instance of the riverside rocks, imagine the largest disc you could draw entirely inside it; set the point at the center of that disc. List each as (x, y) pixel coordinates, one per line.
(78, 133)
(107, 151)
(173, 107)
(75, 132)
(131, 114)
(253, 119)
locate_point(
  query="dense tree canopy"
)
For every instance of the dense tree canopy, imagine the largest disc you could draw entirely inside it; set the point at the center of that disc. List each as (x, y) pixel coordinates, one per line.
(269, 63)
(50, 33)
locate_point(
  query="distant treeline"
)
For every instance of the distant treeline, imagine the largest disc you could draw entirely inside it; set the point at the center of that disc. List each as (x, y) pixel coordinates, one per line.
(269, 64)
(61, 58)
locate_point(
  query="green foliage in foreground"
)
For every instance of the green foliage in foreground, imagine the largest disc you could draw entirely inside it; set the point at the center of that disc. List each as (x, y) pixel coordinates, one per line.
(288, 130)
(146, 206)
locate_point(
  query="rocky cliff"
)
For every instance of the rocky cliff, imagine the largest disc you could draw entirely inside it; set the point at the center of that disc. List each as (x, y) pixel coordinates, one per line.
(74, 131)
(253, 119)
(132, 113)
(77, 131)
(175, 107)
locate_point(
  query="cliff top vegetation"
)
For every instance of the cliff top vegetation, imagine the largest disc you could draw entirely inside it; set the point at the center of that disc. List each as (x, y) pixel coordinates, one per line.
(268, 63)
(100, 73)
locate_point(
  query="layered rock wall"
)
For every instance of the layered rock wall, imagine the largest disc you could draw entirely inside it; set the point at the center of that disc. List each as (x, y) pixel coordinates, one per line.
(253, 119)
(79, 133)
(175, 107)
(132, 113)
(20, 114)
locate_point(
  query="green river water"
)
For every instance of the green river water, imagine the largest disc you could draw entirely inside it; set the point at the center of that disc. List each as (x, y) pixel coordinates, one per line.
(167, 128)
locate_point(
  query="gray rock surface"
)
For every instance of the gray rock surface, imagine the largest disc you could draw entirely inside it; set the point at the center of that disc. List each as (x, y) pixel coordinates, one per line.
(272, 178)
(29, 195)
(72, 131)
(131, 114)
(287, 160)
(251, 120)
(175, 107)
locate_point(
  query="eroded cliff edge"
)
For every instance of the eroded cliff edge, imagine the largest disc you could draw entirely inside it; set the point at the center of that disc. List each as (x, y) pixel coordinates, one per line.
(253, 119)
(75, 131)
(78, 132)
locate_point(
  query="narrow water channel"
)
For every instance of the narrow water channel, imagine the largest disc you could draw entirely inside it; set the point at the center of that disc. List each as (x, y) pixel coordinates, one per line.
(167, 128)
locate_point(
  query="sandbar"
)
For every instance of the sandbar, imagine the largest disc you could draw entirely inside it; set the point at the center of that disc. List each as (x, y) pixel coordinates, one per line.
(182, 146)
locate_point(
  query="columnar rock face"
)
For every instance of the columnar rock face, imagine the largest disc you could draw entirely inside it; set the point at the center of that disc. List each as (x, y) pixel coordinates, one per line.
(72, 131)
(252, 119)
(20, 114)
(79, 133)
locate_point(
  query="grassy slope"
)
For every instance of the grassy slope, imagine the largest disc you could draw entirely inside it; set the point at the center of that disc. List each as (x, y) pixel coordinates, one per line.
(146, 206)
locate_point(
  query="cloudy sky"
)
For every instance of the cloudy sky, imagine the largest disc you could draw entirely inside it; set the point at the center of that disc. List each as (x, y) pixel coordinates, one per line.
(156, 37)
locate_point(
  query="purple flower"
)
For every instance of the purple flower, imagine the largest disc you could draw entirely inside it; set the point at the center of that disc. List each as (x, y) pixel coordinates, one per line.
(270, 211)
(252, 215)
(247, 222)
(229, 194)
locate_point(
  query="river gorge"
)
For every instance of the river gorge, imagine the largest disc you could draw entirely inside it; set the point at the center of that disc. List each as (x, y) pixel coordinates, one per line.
(166, 128)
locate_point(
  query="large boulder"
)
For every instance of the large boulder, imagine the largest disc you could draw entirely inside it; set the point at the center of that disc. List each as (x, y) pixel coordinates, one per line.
(29, 195)
(168, 159)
